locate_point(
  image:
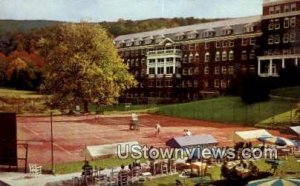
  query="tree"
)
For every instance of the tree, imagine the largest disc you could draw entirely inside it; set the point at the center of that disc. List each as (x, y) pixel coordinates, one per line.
(82, 67)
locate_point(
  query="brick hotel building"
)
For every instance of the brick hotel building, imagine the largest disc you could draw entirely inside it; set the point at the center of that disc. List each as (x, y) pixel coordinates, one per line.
(192, 62)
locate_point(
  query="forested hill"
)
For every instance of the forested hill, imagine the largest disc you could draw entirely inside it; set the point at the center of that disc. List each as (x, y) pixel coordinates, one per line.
(116, 28)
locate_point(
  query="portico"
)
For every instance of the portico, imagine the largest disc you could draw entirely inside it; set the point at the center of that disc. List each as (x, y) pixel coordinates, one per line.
(269, 66)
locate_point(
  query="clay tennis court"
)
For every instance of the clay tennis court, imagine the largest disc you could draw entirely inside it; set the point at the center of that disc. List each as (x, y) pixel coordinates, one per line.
(73, 133)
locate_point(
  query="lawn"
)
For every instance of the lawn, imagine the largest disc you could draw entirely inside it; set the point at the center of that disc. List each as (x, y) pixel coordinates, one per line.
(229, 110)
(22, 94)
(71, 167)
(291, 92)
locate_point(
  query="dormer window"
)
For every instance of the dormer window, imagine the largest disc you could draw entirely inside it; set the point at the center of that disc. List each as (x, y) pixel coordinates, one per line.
(192, 35)
(148, 40)
(277, 9)
(159, 38)
(286, 8)
(137, 42)
(179, 36)
(271, 10)
(249, 28)
(209, 33)
(227, 31)
(129, 43)
(293, 7)
(119, 43)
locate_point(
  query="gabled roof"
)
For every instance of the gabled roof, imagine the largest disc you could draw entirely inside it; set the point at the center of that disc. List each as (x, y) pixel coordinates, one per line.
(237, 25)
(188, 141)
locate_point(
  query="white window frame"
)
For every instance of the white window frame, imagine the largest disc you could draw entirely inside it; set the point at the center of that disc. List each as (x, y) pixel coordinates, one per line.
(277, 9)
(271, 25)
(244, 41)
(218, 56)
(293, 37)
(277, 24)
(224, 70)
(293, 7)
(286, 23)
(231, 55)
(286, 38)
(231, 43)
(244, 55)
(271, 40)
(223, 83)
(230, 70)
(207, 57)
(218, 44)
(293, 22)
(277, 39)
(206, 70)
(252, 41)
(224, 56)
(217, 70)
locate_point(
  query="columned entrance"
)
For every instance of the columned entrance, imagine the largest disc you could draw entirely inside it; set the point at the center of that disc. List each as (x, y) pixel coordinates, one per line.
(269, 66)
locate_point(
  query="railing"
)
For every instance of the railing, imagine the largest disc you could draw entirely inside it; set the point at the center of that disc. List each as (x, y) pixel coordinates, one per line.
(167, 51)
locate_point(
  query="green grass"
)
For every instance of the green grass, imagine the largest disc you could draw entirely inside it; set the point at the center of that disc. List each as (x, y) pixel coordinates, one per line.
(22, 94)
(291, 92)
(71, 167)
(228, 109)
(121, 108)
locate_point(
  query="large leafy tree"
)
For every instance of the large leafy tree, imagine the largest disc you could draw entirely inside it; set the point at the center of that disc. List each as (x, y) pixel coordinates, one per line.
(82, 67)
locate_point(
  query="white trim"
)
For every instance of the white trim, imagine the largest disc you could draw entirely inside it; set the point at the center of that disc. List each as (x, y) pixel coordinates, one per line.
(284, 14)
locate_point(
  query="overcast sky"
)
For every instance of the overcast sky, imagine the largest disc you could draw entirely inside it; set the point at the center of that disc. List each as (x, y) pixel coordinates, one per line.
(111, 10)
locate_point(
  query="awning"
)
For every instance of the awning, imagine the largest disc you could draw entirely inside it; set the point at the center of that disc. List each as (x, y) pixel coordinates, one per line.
(93, 152)
(251, 135)
(296, 130)
(190, 141)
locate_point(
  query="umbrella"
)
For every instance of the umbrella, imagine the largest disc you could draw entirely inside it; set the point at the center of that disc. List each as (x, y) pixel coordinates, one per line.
(277, 140)
(274, 182)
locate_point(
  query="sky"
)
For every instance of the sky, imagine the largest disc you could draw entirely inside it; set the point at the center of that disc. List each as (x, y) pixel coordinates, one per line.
(112, 10)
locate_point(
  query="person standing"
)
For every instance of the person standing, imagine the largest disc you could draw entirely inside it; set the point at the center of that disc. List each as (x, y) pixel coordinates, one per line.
(157, 129)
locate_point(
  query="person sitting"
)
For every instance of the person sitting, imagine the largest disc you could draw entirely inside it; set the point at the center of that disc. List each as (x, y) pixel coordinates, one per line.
(243, 164)
(87, 169)
(253, 169)
(123, 175)
(224, 170)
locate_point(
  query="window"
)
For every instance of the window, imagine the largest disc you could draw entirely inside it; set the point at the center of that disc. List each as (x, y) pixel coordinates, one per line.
(223, 83)
(178, 38)
(128, 43)
(286, 8)
(197, 58)
(286, 38)
(277, 39)
(218, 44)
(244, 55)
(293, 7)
(185, 71)
(286, 23)
(191, 58)
(271, 25)
(252, 41)
(230, 70)
(151, 61)
(137, 63)
(292, 37)
(293, 22)
(137, 42)
(192, 47)
(191, 71)
(224, 56)
(207, 57)
(218, 56)
(277, 24)
(277, 9)
(160, 70)
(206, 70)
(196, 83)
(271, 10)
(252, 54)
(160, 60)
(184, 60)
(225, 44)
(231, 55)
(270, 40)
(231, 43)
(192, 36)
(224, 69)
(170, 60)
(217, 70)
(196, 70)
(168, 83)
(159, 83)
(151, 70)
(217, 83)
(169, 70)
(244, 42)
(207, 45)
(148, 41)
(143, 61)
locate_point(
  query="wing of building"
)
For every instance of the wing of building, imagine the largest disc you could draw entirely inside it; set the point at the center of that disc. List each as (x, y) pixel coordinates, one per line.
(196, 61)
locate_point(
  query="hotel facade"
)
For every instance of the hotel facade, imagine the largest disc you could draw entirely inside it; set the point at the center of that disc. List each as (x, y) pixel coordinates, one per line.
(197, 61)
